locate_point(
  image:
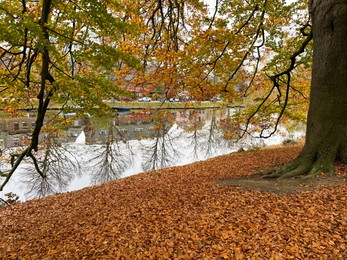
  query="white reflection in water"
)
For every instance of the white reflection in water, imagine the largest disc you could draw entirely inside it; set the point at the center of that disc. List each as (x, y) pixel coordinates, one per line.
(187, 139)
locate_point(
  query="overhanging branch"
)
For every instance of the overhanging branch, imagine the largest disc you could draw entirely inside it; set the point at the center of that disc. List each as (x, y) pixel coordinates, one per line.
(275, 80)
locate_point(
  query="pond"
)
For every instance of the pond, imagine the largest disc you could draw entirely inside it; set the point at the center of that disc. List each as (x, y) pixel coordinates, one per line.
(95, 150)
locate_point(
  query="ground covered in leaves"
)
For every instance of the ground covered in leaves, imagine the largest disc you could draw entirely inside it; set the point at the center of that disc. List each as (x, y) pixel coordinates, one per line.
(187, 212)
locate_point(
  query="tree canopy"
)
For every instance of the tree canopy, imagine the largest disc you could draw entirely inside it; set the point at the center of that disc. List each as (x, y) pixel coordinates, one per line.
(70, 54)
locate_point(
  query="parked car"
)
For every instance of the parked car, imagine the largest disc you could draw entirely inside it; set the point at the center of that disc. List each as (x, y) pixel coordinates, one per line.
(216, 99)
(145, 99)
(174, 100)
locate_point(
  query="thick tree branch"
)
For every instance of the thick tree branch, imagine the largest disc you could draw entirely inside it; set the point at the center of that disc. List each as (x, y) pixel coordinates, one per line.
(45, 75)
(15, 165)
(275, 79)
(293, 57)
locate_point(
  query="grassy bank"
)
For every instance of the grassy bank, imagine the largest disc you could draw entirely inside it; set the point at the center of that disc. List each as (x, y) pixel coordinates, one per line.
(167, 105)
(155, 105)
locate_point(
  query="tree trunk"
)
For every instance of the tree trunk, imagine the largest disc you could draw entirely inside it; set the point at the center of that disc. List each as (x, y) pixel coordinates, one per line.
(326, 134)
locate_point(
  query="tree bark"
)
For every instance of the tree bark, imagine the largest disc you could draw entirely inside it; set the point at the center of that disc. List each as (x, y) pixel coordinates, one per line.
(326, 133)
(44, 94)
(43, 98)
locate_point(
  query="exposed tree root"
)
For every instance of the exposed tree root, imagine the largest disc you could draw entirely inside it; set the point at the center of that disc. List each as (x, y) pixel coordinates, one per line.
(303, 167)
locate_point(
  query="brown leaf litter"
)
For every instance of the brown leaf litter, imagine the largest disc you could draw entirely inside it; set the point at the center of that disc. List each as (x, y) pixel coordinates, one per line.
(186, 212)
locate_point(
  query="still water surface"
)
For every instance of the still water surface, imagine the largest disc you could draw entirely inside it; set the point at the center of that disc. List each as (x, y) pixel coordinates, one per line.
(96, 150)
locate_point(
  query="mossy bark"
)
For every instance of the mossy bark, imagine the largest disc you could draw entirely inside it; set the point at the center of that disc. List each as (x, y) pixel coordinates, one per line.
(326, 134)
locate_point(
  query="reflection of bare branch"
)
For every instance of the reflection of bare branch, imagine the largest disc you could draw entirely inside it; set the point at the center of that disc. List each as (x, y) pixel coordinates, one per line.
(194, 126)
(212, 138)
(111, 161)
(200, 140)
(57, 168)
(161, 153)
(195, 142)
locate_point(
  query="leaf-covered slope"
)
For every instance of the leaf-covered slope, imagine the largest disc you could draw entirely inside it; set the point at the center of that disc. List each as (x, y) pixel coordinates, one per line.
(181, 213)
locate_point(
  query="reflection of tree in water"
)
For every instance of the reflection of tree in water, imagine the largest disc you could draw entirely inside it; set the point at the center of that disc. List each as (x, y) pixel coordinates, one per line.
(56, 167)
(212, 139)
(200, 140)
(89, 130)
(112, 158)
(161, 153)
(194, 125)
